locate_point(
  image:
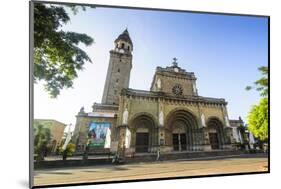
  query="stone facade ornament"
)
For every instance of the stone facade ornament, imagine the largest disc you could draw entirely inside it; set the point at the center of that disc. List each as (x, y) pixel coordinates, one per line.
(127, 138)
(227, 121)
(194, 88)
(81, 111)
(251, 140)
(203, 120)
(125, 117)
(158, 84)
(235, 134)
(161, 118)
(240, 137)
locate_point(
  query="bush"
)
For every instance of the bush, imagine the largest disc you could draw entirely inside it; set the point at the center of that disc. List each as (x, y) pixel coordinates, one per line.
(70, 149)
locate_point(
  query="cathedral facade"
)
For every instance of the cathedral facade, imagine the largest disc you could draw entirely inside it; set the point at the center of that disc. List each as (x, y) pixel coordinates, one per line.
(170, 117)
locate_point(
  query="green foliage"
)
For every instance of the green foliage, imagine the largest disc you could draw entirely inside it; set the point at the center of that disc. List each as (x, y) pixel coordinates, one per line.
(258, 120)
(42, 139)
(57, 57)
(70, 149)
(261, 85)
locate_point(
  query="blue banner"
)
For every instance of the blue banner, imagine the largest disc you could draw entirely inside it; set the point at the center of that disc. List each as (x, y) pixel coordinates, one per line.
(97, 134)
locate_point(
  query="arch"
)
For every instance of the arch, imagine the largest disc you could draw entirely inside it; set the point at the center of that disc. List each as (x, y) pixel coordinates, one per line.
(143, 129)
(215, 132)
(183, 114)
(144, 115)
(181, 129)
(170, 114)
(215, 118)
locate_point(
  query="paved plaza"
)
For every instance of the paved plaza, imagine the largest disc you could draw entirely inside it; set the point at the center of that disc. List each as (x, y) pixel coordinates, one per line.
(175, 168)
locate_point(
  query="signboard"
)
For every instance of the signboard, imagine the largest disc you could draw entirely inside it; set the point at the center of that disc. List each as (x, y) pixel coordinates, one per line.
(101, 114)
(99, 133)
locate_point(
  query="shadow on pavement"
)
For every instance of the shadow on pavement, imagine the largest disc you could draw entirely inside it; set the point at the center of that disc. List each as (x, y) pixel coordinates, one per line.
(58, 173)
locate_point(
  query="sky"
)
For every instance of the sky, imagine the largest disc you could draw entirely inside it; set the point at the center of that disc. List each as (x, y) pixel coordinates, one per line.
(223, 51)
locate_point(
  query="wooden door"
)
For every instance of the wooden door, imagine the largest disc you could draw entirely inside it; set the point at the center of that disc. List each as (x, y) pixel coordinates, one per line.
(183, 141)
(142, 141)
(214, 140)
(176, 142)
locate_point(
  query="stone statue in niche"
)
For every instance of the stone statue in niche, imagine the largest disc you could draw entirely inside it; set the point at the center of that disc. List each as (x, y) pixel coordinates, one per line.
(194, 88)
(203, 120)
(161, 117)
(81, 111)
(158, 84)
(125, 116)
(227, 121)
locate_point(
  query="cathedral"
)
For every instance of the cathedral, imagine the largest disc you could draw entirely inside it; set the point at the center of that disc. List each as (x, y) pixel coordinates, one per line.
(170, 117)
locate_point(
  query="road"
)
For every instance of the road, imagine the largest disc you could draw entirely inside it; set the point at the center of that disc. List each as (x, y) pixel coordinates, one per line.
(150, 170)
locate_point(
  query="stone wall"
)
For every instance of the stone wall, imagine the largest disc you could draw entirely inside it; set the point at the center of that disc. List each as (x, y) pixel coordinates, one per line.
(118, 76)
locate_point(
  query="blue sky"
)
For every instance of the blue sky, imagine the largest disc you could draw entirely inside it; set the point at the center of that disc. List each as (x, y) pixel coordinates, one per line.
(223, 51)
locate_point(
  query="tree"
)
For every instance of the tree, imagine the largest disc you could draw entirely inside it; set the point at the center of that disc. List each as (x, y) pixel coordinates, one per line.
(57, 57)
(69, 151)
(258, 116)
(42, 138)
(258, 120)
(261, 85)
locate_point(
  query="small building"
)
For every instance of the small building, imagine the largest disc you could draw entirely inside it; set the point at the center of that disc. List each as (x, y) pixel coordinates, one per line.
(237, 133)
(241, 133)
(171, 116)
(56, 128)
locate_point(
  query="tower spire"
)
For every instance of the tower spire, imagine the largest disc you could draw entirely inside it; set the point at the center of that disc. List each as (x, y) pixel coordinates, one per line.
(124, 42)
(119, 68)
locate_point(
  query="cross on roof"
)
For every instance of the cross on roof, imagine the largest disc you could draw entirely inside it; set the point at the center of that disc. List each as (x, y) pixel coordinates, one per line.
(175, 62)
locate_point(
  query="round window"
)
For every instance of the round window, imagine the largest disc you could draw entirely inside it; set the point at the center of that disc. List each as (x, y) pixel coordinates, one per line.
(177, 89)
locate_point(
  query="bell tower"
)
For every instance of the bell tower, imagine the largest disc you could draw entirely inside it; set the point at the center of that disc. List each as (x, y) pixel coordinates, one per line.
(119, 68)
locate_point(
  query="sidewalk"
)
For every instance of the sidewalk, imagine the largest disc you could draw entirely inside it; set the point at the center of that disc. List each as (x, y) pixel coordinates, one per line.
(150, 170)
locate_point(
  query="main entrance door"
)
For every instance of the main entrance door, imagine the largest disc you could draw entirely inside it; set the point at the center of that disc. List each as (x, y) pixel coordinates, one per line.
(183, 141)
(214, 140)
(176, 142)
(142, 141)
(179, 141)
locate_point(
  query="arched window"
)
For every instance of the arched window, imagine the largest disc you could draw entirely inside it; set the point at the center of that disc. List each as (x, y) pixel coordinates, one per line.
(128, 48)
(118, 70)
(122, 45)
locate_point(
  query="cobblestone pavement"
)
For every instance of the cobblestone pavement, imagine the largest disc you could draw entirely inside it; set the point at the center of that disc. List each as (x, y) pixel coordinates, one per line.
(150, 170)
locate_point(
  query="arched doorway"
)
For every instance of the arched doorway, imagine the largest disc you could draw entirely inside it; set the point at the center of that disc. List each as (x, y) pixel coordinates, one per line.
(181, 125)
(179, 136)
(215, 132)
(143, 131)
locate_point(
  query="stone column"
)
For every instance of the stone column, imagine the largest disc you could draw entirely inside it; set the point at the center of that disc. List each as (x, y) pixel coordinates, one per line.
(161, 126)
(227, 138)
(206, 140)
(121, 141)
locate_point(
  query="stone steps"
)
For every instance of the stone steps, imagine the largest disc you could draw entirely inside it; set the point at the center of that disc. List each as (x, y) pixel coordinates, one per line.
(146, 157)
(180, 155)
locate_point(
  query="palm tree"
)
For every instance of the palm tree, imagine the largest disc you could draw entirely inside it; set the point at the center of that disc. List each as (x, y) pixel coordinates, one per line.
(42, 137)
